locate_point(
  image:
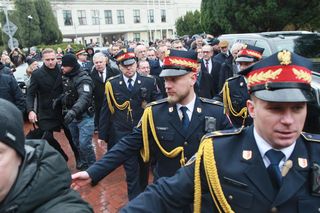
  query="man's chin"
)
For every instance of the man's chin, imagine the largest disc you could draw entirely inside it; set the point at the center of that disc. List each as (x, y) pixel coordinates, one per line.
(172, 100)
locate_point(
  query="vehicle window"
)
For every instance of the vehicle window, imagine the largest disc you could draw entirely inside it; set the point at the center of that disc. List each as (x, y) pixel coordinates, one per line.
(264, 44)
(307, 45)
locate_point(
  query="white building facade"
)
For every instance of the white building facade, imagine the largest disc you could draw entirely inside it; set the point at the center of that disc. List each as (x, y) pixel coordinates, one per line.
(85, 21)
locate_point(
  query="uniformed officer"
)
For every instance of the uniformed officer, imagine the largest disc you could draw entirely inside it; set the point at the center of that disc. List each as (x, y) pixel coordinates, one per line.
(271, 166)
(170, 129)
(85, 64)
(127, 95)
(235, 93)
(77, 108)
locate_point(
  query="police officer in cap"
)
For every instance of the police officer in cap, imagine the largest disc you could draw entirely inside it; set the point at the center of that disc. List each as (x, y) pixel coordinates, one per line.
(126, 97)
(235, 93)
(170, 129)
(271, 166)
(77, 108)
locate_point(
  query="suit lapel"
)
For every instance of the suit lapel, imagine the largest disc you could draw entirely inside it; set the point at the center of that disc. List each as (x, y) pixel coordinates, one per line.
(256, 170)
(297, 175)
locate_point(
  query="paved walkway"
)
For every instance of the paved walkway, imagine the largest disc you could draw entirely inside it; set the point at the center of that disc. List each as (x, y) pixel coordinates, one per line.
(110, 194)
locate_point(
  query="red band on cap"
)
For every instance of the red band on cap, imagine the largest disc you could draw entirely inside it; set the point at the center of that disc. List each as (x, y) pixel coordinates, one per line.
(251, 53)
(126, 56)
(180, 62)
(278, 74)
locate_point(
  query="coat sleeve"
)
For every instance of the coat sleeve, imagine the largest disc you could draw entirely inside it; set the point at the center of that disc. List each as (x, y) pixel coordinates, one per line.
(31, 92)
(19, 99)
(128, 146)
(168, 194)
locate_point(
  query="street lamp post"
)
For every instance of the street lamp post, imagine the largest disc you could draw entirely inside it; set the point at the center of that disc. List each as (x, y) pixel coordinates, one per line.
(29, 24)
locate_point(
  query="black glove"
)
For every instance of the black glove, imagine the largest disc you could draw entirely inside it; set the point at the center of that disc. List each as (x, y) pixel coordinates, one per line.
(68, 118)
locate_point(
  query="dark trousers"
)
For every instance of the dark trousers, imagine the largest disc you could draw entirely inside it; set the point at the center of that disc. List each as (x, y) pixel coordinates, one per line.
(131, 167)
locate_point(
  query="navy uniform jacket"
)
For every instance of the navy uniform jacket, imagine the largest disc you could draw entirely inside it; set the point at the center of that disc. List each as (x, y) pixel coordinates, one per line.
(239, 95)
(170, 134)
(244, 180)
(114, 126)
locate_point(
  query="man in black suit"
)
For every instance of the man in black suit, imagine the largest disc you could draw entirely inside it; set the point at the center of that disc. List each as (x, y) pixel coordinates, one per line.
(211, 66)
(99, 74)
(46, 85)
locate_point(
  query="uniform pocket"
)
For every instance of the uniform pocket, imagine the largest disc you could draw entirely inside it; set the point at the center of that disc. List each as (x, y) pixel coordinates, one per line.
(238, 197)
(309, 204)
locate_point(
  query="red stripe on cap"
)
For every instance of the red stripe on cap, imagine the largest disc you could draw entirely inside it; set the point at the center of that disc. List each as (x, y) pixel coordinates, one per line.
(280, 73)
(181, 62)
(126, 56)
(251, 53)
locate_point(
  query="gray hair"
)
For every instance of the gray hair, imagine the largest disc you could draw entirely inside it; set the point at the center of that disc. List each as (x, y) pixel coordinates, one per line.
(236, 46)
(98, 55)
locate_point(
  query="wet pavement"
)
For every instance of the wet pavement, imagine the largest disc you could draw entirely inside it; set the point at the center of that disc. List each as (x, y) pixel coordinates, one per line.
(111, 192)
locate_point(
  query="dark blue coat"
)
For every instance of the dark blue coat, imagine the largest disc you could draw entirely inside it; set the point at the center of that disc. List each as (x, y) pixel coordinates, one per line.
(112, 127)
(170, 134)
(239, 95)
(245, 183)
(10, 90)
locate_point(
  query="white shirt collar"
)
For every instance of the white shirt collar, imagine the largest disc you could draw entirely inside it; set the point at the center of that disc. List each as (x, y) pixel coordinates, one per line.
(190, 107)
(264, 146)
(134, 77)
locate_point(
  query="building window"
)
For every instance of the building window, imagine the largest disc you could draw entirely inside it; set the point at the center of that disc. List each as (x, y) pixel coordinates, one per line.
(108, 16)
(95, 17)
(136, 16)
(67, 17)
(163, 16)
(151, 16)
(120, 15)
(136, 37)
(82, 17)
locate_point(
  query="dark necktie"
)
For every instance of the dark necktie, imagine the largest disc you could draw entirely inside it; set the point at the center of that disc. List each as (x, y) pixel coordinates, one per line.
(130, 86)
(185, 118)
(207, 65)
(274, 171)
(101, 76)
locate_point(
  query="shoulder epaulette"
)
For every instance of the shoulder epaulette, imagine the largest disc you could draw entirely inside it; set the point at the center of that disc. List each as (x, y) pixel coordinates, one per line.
(157, 102)
(211, 101)
(311, 137)
(233, 78)
(226, 132)
(113, 77)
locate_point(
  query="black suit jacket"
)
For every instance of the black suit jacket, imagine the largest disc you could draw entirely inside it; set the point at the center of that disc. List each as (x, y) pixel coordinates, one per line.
(215, 70)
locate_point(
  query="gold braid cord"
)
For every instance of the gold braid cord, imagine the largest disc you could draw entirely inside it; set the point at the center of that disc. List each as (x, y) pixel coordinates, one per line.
(206, 151)
(227, 103)
(111, 99)
(145, 153)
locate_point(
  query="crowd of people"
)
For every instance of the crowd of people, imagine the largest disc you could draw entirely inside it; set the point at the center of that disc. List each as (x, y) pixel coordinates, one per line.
(219, 126)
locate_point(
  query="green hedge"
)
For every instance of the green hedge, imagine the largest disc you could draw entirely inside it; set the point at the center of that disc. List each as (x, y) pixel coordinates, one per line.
(63, 46)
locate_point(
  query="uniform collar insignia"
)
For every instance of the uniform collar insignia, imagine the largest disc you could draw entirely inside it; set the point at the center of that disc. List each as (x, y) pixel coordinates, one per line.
(302, 162)
(120, 82)
(247, 154)
(170, 109)
(199, 110)
(139, 82)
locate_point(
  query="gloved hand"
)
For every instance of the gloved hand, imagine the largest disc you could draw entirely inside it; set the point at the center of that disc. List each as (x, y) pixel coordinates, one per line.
(68, 118)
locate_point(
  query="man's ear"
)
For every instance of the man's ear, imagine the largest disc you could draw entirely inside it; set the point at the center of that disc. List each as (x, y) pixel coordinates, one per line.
(251, 108)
